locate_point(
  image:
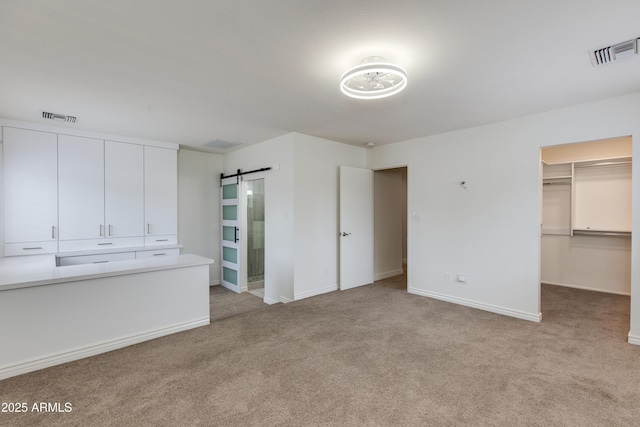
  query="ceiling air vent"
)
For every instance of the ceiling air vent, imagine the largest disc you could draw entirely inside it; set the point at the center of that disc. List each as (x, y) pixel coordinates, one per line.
(220, 144)
(614, 53)
(59, 117)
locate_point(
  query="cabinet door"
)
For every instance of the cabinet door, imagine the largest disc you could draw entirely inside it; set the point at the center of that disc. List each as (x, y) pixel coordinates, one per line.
(160, 191)
(30, 186)
(123, 189)
(81, 187)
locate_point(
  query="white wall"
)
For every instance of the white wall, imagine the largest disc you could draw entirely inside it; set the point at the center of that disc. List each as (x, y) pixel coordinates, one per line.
(301, 210)
(316, 241)
(389, 198)
(279, 208)
(491, 231)
(199, 206)
(596, 263)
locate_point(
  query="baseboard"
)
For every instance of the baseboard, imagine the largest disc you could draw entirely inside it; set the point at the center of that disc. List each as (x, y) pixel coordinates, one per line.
(633, 339)
(215, 282)
(586, 288)
(388, 274)
(285, 300)
(270, 301)
(479, 305)
(314, 292)
(80, 353)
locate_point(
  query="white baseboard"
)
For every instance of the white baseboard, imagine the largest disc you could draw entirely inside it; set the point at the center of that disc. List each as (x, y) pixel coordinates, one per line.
(587, 288)
(285, 300)
(214, 282)
(314, 292)
(270, 301)
(388, 274)
(80, 353)
(479, 305)
(633, 339)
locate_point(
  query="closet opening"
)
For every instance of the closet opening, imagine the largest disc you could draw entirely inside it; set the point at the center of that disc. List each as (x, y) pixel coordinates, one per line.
(390, 227)
(586, 213)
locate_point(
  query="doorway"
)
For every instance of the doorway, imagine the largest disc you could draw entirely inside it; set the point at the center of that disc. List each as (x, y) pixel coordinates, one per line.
(390, 227)
(254, 226)
(585, 210)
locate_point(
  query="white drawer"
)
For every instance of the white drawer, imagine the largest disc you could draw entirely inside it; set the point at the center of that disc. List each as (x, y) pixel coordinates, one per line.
(94, 259)
(33, 248)
(170, 239)
(157, 253)
(96, 244)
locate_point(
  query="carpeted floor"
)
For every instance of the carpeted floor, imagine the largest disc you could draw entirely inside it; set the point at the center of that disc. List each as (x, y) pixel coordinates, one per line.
(368, 356)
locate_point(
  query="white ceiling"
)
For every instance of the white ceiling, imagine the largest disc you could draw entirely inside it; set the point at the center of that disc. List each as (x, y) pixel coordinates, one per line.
(248, 70)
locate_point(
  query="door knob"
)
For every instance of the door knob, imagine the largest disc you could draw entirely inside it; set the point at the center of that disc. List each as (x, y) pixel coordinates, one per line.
(345, 234)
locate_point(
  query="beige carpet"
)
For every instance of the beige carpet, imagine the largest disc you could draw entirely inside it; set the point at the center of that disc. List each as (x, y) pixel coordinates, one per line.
(374, 355)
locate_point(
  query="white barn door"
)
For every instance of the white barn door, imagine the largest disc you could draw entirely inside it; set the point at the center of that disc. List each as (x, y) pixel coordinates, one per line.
(231, 233)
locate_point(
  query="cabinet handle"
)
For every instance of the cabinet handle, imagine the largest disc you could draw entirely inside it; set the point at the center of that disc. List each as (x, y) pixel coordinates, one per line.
(101, 230)
(162, 240)
(53, 231)
(29, 249)
(159, 254)
(105, 244)
(148, 228)
(109, 229)
(99, 262)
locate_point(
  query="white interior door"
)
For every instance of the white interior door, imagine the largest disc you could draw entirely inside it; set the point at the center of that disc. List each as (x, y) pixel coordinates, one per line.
(231, 219)
(356, 227)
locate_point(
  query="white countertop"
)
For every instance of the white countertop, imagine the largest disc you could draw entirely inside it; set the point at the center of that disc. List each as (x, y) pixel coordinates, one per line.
(40, 270)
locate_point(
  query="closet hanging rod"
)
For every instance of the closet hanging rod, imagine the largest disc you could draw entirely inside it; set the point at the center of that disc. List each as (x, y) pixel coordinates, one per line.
(626, 162)
(566, 182)
(603, 233)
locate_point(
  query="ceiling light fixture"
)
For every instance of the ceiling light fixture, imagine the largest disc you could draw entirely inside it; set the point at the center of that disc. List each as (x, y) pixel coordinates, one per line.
(375, 78)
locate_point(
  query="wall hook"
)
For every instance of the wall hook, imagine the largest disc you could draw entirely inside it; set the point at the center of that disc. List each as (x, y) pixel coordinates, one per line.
(463, 184)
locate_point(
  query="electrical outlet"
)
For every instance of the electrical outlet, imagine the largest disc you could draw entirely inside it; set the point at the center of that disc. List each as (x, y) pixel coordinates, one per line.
(462, 278)
(448, 277)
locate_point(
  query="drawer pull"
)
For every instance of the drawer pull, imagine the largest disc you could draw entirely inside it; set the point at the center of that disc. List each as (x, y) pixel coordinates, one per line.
(104, 244)
(99, 262)
(162, 240)
(33, 248)
(159, 254)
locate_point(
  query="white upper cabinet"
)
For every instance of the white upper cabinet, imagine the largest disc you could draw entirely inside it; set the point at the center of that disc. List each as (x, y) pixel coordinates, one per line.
(160, 195)
(30, 191)
(67, 193)
(81, 187)
(124, 189)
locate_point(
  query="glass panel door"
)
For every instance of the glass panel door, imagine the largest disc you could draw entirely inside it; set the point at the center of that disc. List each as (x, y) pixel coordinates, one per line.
(230, 206)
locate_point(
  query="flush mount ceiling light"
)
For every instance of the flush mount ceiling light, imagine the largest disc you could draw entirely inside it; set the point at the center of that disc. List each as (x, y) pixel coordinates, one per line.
(373, 79)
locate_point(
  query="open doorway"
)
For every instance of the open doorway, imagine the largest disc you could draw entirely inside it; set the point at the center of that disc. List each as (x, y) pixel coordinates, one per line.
(390, 227)
(254, 226)
(586, 217)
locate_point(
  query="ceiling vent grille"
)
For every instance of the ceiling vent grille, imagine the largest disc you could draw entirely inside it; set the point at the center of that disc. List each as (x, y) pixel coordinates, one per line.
(615, 53)
(220, 144)
(59, 117)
